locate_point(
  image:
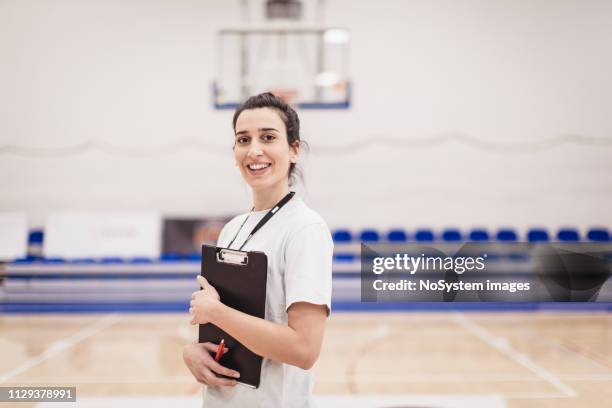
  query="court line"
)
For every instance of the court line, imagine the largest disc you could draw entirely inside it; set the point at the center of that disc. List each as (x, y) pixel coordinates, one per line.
(585, 356)
(373, 338)
(62, 345)
(502, 345)
(589, 355)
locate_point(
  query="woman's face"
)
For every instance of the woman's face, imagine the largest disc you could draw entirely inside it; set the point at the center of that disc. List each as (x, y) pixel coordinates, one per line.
(261, 149)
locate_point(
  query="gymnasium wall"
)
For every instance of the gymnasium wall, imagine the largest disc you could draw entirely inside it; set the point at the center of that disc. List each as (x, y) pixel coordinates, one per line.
(465, 113)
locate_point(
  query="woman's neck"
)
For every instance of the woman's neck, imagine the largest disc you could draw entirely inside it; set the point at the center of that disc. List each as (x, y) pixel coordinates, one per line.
(264, 199)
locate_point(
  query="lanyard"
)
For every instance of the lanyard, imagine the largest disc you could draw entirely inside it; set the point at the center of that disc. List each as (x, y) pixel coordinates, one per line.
(265, 219)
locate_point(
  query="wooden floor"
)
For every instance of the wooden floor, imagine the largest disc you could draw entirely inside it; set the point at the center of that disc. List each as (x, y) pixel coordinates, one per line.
(528, 359)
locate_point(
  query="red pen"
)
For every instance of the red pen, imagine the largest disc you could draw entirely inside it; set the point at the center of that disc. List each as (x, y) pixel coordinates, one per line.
(219, 351)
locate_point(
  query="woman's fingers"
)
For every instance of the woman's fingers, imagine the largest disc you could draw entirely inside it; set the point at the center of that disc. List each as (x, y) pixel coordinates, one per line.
(203, 282)
(212, 379)
(212, 347)
(203, 366)
(219, 369)
(216, 367)
(193, 319)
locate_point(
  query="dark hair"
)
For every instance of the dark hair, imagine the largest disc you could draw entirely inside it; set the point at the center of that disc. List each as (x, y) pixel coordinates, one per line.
(287, 115)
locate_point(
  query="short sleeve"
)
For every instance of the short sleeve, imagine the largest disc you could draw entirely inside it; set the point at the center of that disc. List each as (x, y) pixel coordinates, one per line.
(308, 266)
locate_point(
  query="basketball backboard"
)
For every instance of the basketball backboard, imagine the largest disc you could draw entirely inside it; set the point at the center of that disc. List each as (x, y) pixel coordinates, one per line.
(306, 66)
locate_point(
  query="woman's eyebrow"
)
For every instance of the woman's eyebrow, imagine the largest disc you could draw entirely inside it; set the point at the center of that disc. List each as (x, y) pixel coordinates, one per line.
(267, 129)
(246, 132)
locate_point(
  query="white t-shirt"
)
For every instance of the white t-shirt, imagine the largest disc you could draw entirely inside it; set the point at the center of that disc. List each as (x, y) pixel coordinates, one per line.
(299, 248)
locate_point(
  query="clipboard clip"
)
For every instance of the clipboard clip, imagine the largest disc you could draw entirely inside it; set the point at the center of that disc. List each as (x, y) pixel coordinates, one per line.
(232, 257)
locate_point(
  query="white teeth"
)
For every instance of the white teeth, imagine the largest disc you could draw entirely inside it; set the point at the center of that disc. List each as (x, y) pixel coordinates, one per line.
(258, 166)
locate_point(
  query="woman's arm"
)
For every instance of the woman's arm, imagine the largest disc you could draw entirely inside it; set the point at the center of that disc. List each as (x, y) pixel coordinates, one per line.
(298, 344)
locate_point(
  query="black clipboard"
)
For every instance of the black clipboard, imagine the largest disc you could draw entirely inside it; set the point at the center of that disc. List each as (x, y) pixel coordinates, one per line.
(240, 278)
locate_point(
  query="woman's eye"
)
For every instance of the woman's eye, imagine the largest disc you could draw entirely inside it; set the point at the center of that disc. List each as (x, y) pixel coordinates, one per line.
(243, 140)
(269, 138)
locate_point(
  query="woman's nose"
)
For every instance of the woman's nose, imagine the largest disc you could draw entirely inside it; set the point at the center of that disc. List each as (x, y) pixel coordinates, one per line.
(255, 150)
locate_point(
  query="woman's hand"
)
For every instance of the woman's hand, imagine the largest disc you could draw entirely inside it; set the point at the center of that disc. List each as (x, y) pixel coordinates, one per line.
(203, 302)
(204, 367)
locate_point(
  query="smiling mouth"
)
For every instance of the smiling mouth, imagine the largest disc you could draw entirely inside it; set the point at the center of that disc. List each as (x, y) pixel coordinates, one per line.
(258, 168)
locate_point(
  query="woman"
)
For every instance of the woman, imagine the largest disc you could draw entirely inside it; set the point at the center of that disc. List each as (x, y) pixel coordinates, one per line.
(299, 248)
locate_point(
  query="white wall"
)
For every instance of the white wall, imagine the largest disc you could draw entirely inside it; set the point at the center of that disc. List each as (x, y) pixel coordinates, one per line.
(137, 73)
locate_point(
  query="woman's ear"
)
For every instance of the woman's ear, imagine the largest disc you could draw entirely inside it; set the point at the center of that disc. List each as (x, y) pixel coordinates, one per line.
(295, 150)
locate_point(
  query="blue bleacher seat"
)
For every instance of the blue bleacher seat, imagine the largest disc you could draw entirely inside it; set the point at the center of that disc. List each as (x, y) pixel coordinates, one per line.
(170, 257)
(369, 235)
(112, 260)
(194, 256)
(83, 260)
(397, 235)
(141, 260)
(27, 259)
(424, 235)
(568, 235)
(35, 243)
(54, 260)
(493, 256)
(344, 257)
(598, 235)
(537, 235)
(342, 236)
(479, 235)
(35, 237)
(517, 256)
(451, 235)
(506, 235)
